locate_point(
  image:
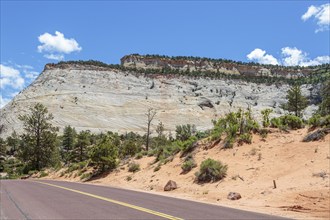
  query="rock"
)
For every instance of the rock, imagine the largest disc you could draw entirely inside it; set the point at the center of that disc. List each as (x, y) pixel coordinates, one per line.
(317, 135)
(25, 177)
(204, 102)
(234, 196)
(170, 185)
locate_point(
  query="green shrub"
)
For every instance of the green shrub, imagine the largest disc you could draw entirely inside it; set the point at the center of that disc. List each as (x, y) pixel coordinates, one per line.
(229, 142)
(188, 145)
(290, 121)
(188, 165)
(314, 121)
(325, 121)
(245, 138)
(265, 117)
(211, 171)
(73, 167)
(139, 155)
(168, 151)
(275, 123)
(128, 178)
(86, 176)
(293, 122)
(157, 167)
(43, 174)
(31, 172)
(184, 132)
(133, 167)
(263, 133)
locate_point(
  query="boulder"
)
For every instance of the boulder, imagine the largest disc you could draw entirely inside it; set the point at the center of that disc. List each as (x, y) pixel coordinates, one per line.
(170, 185)
(234, 196)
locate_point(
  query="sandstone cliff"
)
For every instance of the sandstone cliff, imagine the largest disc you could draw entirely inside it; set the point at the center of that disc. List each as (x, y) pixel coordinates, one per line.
(104, 98)
(200, 64)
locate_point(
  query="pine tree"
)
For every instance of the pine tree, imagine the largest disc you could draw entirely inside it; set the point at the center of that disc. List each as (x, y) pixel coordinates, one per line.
(68, 143)
(80, 149)
(13, 141)
(39, 139)
(296, 102)
(324, 107)
(105, 154)
(2, 154)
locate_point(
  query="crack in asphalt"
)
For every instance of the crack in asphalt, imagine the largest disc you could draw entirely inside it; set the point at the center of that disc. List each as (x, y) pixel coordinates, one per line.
(17, 206)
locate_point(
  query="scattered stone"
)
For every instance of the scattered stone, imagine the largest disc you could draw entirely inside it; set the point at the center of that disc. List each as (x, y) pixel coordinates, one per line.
(234, 196)
(170, 185)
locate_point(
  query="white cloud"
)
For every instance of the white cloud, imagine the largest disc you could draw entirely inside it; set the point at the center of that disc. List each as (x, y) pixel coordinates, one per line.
(311, 11)
(54, 56)
(321, 14)
(7, 71)
(3, 101)
(13, 78)
(291, 56)
(10, 77)
(57, 43)
(260, 56)
(296, 57)
(31, 74)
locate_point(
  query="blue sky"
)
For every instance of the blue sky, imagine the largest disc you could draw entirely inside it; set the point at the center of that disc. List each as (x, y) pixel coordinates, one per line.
(34, 33)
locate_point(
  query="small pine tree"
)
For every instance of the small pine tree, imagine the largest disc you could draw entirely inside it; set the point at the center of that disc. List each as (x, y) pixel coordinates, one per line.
(68, 143)
(296, 102)
(324, 108)
(79, 152)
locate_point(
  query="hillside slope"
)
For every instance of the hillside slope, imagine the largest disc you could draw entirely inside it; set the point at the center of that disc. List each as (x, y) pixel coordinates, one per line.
(301, 171)
(101, 99)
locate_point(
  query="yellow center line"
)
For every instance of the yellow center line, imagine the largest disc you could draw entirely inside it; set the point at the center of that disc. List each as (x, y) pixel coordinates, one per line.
(116, 202)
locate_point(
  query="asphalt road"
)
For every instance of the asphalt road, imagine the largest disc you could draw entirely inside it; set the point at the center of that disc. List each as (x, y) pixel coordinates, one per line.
(28, 199)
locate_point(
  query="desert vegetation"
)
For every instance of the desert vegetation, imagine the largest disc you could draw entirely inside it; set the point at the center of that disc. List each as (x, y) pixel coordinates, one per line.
(87, 154)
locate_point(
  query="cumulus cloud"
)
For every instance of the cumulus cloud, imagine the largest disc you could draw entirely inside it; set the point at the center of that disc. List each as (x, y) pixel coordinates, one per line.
(54, 56)
(3, 101)
(290, 56)
(11, 77)
(321, 14)
(56, 45)
(260, 56)
(295, 57)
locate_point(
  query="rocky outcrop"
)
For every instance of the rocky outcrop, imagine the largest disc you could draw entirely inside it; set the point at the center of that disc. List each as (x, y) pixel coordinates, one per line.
(96, 98)
(227, 67)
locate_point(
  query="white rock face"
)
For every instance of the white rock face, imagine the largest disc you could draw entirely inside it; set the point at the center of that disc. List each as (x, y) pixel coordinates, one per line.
(102, 100)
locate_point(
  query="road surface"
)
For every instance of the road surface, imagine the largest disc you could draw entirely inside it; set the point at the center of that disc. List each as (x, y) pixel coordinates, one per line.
(45, 199)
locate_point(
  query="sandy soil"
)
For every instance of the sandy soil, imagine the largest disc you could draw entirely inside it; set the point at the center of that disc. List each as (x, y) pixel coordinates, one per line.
(301, 192)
